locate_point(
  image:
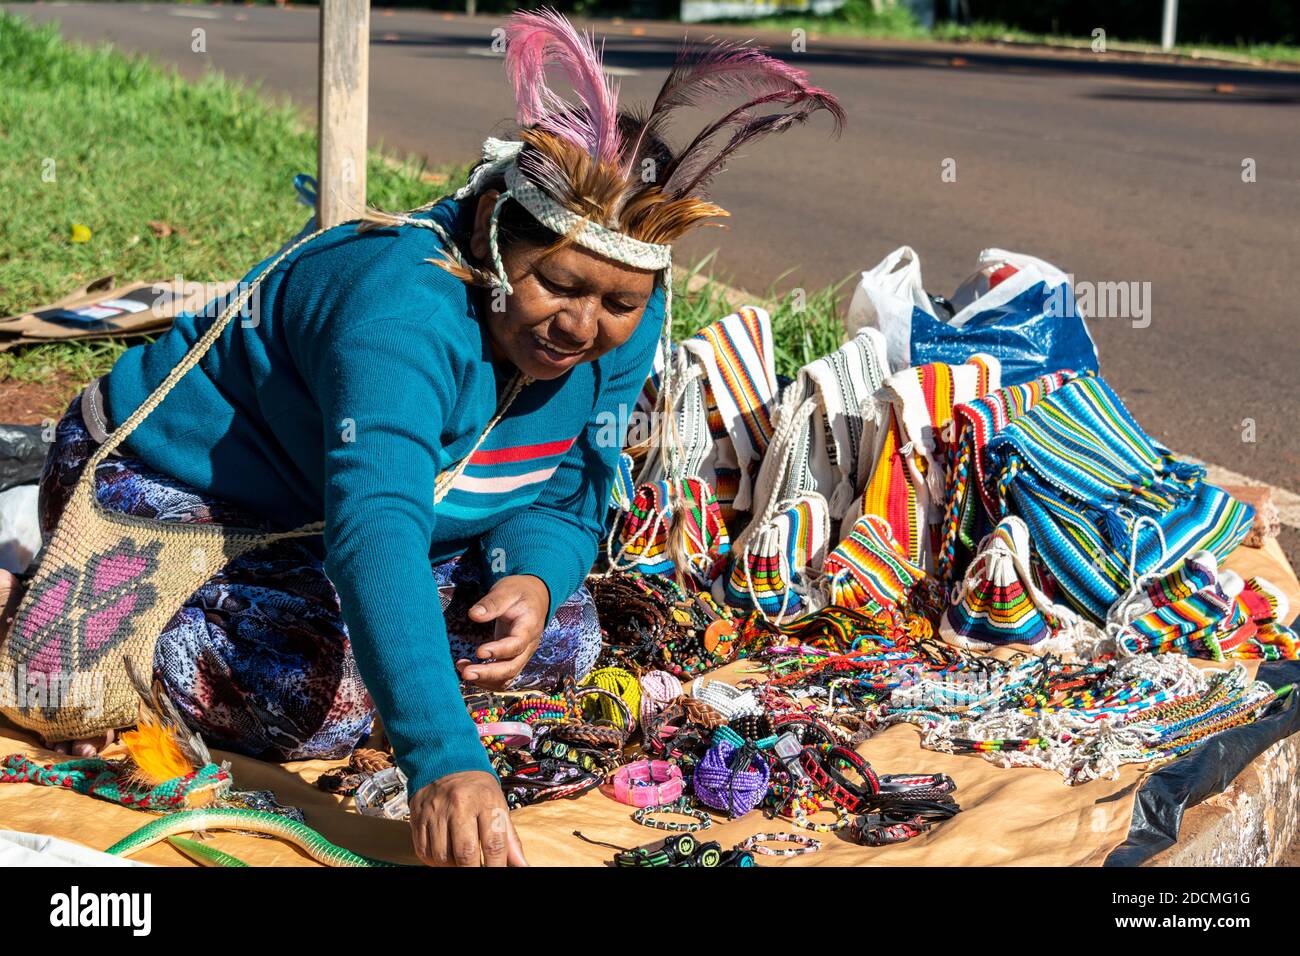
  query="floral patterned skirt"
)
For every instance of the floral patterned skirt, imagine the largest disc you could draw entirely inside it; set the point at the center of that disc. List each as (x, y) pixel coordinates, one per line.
(258, 659)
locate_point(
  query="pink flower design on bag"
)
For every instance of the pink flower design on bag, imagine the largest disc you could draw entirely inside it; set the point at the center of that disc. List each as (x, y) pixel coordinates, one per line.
(77, 616)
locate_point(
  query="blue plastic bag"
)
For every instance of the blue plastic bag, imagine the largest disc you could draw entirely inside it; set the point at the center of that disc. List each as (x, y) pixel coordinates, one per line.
(1017, 308)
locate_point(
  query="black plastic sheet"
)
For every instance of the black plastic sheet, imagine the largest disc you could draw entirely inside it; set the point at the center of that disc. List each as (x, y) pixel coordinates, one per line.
(22, 454)
(1166, 794)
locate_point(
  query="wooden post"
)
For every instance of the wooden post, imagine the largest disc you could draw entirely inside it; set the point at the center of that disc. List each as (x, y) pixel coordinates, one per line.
(344, 94)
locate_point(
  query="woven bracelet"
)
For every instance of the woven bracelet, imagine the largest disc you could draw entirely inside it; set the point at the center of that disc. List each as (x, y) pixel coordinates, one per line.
(803, 844)
(730, 702)
(645, 817)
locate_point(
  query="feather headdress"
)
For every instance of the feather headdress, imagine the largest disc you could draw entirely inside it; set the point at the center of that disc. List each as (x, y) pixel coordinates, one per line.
(582, 156)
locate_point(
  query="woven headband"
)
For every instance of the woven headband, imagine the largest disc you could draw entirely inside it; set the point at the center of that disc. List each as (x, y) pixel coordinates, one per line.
(501, 157)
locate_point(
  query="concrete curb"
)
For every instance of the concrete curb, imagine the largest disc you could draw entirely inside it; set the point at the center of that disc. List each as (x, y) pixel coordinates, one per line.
(1252, 823)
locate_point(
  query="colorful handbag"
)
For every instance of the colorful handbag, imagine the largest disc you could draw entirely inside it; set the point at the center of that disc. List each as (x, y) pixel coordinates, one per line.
(1192, 610)
(774, 571)
(723, 396)
(907, 485)
(824, 429)
(672, 526)
(868, 572)
(1106, 506)
(823, 438)
(107, 583)
(997, 601)
(969, 502)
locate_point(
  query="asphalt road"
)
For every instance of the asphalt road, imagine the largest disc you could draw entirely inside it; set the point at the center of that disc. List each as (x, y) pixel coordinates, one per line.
(1117, 171)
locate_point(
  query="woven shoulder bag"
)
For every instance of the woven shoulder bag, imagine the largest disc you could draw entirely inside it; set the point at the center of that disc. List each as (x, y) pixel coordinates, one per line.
(107, 583)
(1107, 506)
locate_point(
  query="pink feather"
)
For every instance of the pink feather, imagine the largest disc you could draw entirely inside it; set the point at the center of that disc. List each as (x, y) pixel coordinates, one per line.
(536, 40)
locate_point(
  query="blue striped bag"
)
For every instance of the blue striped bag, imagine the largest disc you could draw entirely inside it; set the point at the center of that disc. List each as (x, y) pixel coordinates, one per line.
(1107, 506)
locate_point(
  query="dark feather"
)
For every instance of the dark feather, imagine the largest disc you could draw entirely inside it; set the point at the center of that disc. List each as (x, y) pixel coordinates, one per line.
(694, 167)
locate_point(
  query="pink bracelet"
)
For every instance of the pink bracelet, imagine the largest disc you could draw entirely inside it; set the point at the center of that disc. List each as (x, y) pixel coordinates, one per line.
(648, 783)
(516, 733)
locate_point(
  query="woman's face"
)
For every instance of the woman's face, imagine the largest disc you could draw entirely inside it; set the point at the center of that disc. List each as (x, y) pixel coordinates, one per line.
(571, 306)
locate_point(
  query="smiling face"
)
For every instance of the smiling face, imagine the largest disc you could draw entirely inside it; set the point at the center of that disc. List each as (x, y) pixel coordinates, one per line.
(568, 307)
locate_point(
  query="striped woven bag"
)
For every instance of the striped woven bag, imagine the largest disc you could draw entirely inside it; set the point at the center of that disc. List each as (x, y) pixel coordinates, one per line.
(1269, 608)
(997, 601)
(907, 485)
(106, 583)
(775, 574)
(822, 440)
(969, 502)
(725, 392)
(1107, 507)
(1202, 610)
(660, 509)
(868, 572)
(824, 428)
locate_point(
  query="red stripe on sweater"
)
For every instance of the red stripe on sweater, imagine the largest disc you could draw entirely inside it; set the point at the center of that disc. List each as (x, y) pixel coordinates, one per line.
(521, 452)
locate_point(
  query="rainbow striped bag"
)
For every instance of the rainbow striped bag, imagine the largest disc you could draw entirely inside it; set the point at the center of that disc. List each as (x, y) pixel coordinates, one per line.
(907, 484)
(1193, 610)
(774, 573)
(822, 441)
(1107, 507)
(724, 394)
(661, 509)
(868, 572)
(968, 516)
(997, 601)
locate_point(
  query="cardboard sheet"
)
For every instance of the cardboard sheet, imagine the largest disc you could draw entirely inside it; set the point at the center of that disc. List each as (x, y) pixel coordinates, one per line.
(1009, 816)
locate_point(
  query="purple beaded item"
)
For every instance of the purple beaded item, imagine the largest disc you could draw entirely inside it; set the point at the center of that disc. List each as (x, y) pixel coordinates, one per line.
(731, 778)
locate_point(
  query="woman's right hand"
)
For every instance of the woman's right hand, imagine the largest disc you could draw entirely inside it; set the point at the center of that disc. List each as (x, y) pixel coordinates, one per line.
(462, 820)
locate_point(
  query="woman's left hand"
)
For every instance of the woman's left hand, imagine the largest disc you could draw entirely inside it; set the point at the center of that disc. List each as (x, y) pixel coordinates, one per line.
(518, 603)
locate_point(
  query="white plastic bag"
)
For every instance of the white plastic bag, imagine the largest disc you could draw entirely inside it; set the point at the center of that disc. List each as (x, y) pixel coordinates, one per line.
(1028, 319)
(885, 298)
(20, 530)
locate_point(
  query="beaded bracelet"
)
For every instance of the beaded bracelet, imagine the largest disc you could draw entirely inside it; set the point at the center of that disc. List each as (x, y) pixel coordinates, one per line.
(645, 783)
(803, 844)
(511, 733)
(644, 816)
(731, 702)
(624, 711)
(800, 819)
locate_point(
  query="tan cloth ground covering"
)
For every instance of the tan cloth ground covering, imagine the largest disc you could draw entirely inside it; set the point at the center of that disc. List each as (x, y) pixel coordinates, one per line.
(1009, 817)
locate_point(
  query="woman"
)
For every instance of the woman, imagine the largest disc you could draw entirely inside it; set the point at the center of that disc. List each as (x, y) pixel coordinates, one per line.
(454, 415)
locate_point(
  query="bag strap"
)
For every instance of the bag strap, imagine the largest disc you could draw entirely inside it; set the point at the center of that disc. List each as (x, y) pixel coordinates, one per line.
(442, 484)
(188, 361)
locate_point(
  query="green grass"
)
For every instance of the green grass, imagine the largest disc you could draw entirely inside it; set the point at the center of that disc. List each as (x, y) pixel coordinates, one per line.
(857, 18)
(129, 141)
(804, 328)
(112, 141)
(79, 361)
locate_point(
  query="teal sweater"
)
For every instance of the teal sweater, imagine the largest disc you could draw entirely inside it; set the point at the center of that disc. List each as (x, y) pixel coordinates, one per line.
(363, 373)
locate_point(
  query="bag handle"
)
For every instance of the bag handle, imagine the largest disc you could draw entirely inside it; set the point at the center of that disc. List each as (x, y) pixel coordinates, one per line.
(442, 484)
